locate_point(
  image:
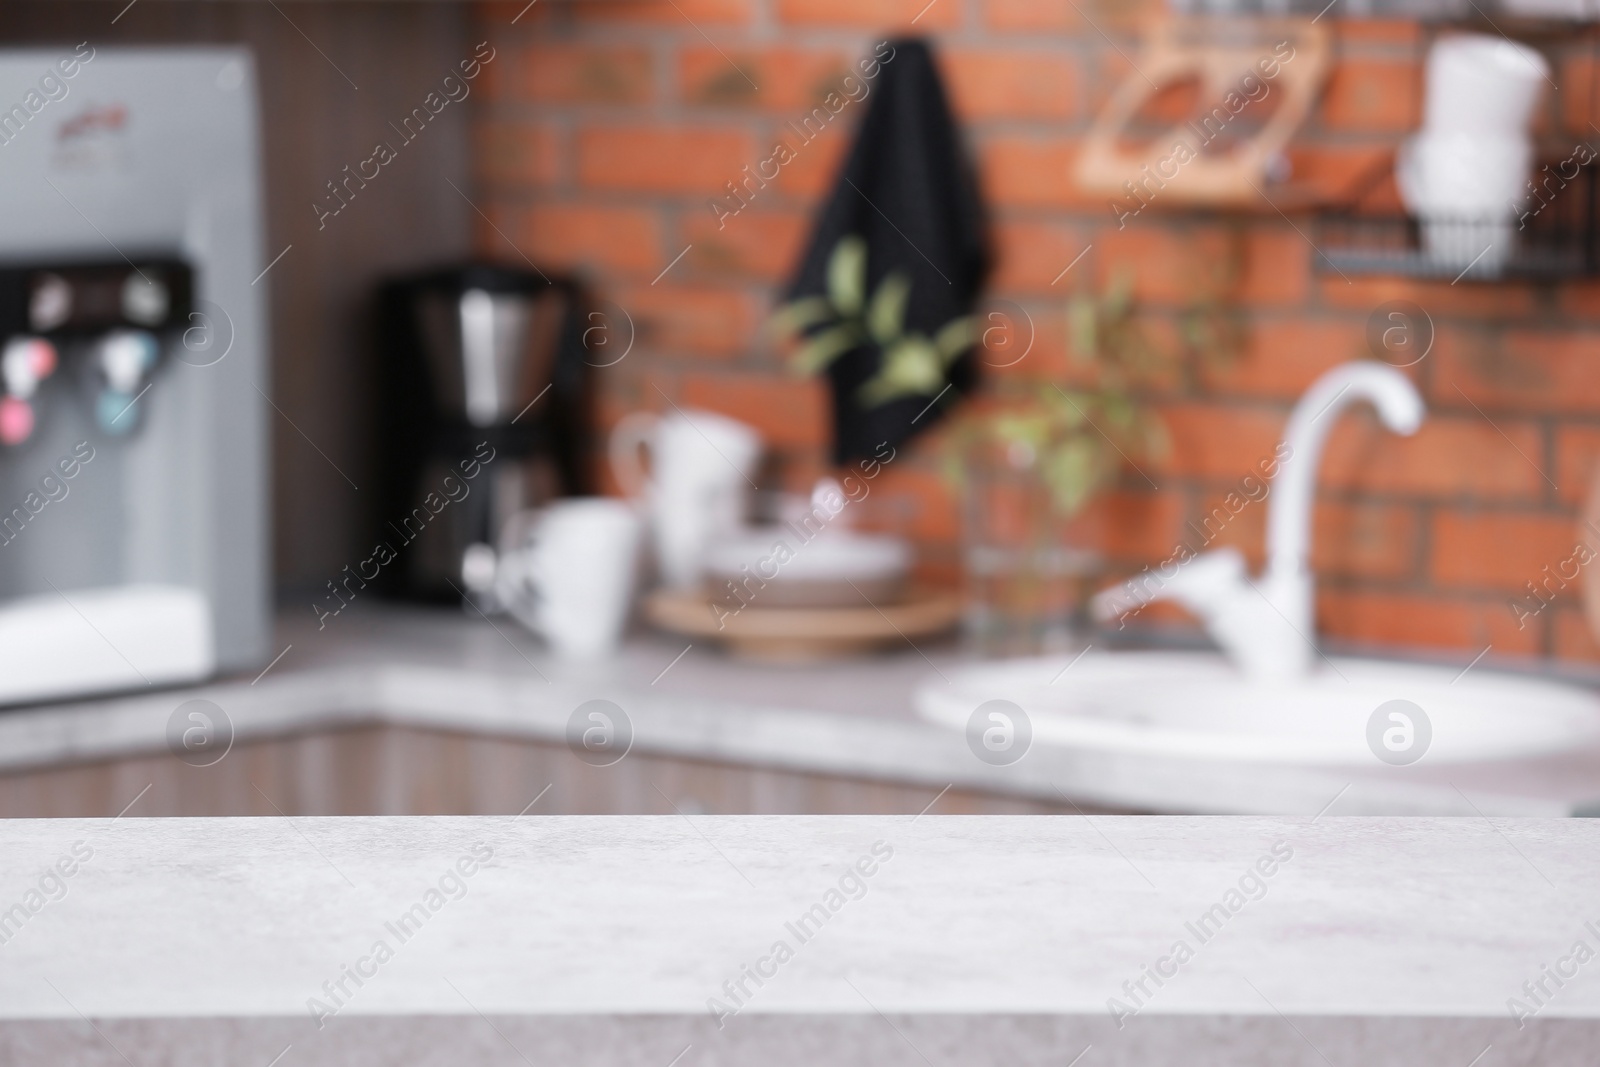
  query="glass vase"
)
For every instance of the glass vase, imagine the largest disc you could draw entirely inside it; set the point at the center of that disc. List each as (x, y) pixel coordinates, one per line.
(1026, 584)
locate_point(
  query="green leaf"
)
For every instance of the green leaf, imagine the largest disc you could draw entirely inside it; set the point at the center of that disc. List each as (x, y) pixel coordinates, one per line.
(955, 337)
(800, 315)
(1083, 323)
(1119, 411)
(1119, 294)
(825, 347)
(911, 367)
(886, 316)
(1073, 472)
(1028, 428)
(847, 275)
(1071, 406)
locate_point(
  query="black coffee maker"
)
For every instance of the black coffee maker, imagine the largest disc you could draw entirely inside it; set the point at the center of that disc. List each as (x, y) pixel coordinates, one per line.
(484, 410)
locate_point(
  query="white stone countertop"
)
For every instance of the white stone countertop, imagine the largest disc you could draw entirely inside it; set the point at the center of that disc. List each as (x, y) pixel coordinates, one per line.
(441, 669)
(1321, 928)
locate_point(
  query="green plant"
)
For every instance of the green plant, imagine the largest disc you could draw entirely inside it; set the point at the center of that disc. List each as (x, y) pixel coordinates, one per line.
(913, 363)
(1076, 437)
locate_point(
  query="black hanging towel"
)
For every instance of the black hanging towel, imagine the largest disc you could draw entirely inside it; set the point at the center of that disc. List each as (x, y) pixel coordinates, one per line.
(885, 293)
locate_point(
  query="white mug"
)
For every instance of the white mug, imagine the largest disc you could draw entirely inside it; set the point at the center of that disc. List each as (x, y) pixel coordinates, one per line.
(567, 572)
(1471, 175)
(1465, 190)
(1479, 84)
(699, 469)
(1464, 173)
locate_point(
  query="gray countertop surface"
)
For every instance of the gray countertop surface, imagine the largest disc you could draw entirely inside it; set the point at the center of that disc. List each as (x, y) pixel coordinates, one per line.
(442, 670)
(1345, 916)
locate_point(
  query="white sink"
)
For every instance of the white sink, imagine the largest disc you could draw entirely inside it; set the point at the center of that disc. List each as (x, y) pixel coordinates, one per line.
(1199, 706)
(1274, 698)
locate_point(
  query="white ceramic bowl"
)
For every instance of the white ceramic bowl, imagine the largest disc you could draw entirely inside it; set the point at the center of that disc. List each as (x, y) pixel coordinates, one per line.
(777, 566)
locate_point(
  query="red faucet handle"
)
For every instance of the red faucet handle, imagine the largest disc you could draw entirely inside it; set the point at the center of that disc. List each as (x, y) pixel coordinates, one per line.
(16, 420)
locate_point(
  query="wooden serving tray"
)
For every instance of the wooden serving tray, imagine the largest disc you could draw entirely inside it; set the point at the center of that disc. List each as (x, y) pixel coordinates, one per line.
(800, 635)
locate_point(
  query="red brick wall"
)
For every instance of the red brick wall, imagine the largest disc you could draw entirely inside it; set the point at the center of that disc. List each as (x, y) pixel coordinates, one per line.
(605, 126)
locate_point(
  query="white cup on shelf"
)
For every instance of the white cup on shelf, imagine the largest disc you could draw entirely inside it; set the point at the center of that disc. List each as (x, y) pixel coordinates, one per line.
(1463, 175)
(1479, 84)
(1464, 190)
